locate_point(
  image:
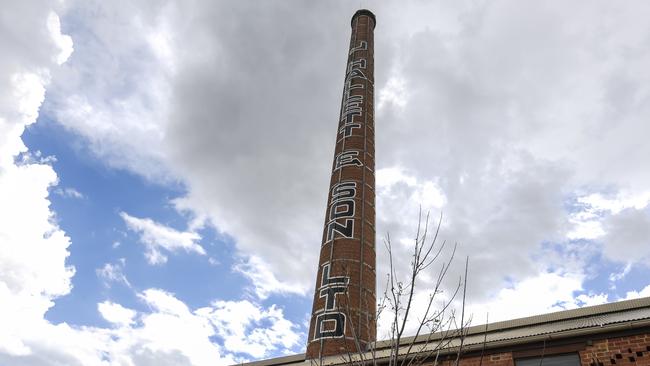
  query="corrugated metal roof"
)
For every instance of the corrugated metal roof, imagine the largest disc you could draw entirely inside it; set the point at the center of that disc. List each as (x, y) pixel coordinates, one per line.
(586, 320)
(594, 321)
(530, 332)
(285, 360)
(574, 313)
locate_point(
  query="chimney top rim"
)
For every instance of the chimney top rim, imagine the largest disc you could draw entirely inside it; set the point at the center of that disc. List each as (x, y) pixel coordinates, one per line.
(367, 13)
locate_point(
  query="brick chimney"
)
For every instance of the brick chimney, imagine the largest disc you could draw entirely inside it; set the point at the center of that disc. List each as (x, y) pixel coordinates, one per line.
(344, 310)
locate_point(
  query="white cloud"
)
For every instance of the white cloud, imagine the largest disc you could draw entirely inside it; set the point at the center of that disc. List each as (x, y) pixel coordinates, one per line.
(394, 92)
(62, 41)
(172, 328)
(645, 292)
(598, 202)
(169, 333)
(395, 184)
(543, 293)
(124, 107)
(33, 249)
(617, 220)
(157, 237)
(613, 277)
(504, 130)
(116, 313)
(113, 273)
(69, 192)
(585, 229)
(263, 280)
(240, 324)
(591, 299)
(24, 93)
(628, 236)
(595, 208)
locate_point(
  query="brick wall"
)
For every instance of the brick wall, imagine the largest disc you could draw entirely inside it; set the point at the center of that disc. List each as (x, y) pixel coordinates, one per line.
(633, 350)
(626, 351)
(494, 359)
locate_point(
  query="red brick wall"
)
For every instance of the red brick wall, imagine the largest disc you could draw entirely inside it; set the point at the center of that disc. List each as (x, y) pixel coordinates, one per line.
(626, 351)
(494, 359)
(633, 350)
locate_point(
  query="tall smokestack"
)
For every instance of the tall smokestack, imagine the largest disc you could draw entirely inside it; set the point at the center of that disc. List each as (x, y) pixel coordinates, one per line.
(344, 310)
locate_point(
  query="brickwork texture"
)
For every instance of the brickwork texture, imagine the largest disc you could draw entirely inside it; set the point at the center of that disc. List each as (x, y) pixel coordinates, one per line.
(344, 307)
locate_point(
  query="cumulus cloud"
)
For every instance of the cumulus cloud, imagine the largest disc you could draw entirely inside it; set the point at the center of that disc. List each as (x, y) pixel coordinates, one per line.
(241, 325)
(645, 292)
(116, 313)
(592, 209)
(172, 328)
(613, 277)
(69, 192)
(113, 272)
(619, 221)
(487, 99)
(124, 107)
(245, 125)
(264, 282)
(475, 118)
(537, 294)
(169, 333)
(511, 130)
(62, 41)
(33, 249)
(158, 238)
(628, 236)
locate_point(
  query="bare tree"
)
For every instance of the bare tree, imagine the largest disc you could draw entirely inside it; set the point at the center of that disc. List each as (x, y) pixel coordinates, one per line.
(434, 327)
(434, 319)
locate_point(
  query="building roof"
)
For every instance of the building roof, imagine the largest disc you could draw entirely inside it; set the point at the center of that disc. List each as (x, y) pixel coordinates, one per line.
(562, 324)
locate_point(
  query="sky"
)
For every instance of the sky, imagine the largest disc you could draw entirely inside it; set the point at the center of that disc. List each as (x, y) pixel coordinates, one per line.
(164, 165)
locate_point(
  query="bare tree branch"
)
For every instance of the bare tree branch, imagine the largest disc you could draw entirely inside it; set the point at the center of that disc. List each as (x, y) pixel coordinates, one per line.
(437, 322)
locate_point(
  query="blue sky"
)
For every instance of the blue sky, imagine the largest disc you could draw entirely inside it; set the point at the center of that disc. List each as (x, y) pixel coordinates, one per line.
(101, 237)
(164, 165)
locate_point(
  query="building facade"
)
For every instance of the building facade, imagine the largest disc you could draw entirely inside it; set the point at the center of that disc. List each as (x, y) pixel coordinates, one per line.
(603, 335)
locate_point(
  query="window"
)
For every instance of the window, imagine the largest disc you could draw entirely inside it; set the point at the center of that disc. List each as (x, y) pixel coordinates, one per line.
(571, 359)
